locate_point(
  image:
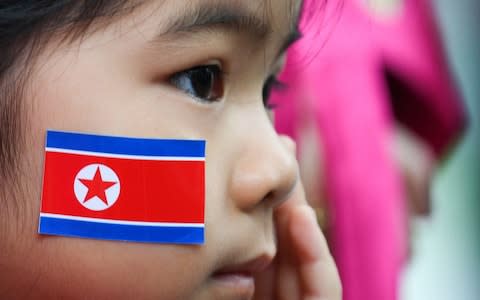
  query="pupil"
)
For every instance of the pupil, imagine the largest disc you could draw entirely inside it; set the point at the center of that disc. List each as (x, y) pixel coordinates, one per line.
(202, 81)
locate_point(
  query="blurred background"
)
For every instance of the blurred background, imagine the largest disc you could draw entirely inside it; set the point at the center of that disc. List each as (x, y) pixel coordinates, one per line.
(446, 246)
(383, 101)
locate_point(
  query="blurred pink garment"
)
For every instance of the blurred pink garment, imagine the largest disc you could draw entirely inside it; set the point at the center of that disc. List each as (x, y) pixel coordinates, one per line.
(354, 74)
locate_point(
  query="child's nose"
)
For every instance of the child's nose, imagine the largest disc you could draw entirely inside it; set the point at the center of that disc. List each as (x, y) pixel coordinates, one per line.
(266, 172)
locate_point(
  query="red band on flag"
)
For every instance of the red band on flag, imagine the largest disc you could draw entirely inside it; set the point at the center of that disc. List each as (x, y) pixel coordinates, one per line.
(151, 191)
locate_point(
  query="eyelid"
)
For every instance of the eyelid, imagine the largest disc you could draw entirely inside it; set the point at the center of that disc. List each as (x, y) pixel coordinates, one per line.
(213, 62)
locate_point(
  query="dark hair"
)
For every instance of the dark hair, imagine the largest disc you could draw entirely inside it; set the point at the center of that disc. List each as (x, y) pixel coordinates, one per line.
(25, 28)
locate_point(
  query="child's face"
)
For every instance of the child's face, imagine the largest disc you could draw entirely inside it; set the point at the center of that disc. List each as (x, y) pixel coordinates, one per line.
(116, 81)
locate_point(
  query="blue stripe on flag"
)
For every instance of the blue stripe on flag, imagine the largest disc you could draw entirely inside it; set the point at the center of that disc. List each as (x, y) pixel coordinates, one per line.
(125, 145)
(120, 232)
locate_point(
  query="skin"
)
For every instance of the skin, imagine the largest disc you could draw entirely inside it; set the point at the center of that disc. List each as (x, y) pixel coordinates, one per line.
(115, 81)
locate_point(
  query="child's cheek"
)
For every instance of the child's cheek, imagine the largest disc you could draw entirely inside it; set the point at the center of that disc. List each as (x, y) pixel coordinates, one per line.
(87, 269)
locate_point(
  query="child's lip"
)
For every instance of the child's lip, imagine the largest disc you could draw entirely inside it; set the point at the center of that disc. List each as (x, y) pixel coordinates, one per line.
(234, 285)
(238, 279)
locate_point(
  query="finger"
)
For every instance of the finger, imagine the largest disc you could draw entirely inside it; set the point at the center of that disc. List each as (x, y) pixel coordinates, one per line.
(280, 280)
(264, 284)
(298, 195)
(286, 278)
(317, 272)
(267, 284)
(297, 198)
(288, 143)
(287, 284)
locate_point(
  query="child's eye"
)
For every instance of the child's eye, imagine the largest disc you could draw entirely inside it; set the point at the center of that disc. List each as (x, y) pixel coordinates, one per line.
(204, 83)
(270, 85)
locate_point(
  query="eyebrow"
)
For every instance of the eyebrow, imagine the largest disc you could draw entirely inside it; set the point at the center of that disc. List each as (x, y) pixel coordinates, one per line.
(204, 17)
(230, 18)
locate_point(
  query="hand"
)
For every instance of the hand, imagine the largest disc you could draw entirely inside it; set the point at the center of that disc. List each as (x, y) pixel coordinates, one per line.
(303, 268)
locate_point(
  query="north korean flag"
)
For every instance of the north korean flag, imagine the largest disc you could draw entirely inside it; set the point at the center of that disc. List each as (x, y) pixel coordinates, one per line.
(122, 188)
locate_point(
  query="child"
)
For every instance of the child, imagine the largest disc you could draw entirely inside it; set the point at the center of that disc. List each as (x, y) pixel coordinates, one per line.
(157, 69)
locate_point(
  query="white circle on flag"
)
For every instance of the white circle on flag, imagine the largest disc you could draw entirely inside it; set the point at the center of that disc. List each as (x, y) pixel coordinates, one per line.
(96, 187)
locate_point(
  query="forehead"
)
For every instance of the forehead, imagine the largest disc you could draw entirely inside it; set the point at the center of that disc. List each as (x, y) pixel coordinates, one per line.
(283, 12)
(271, 15)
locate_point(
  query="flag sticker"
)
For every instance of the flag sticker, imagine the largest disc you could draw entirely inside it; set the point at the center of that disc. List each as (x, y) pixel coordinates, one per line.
(121, 188)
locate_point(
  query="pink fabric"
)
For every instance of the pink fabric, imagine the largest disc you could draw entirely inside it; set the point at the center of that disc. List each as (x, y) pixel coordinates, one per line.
(336, 77)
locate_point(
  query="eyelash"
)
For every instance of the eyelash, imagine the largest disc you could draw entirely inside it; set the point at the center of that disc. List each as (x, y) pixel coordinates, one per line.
(212, 88)
(271, 84)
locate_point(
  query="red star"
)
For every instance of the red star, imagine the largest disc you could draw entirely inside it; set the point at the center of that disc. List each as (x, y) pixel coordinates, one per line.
(97, 187)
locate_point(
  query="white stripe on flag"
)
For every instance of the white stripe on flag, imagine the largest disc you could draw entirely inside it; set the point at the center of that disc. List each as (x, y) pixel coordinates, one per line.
(123, 156)
(108, 221)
